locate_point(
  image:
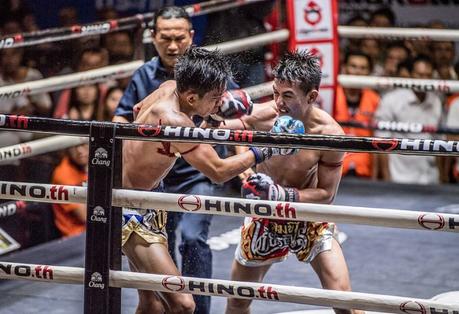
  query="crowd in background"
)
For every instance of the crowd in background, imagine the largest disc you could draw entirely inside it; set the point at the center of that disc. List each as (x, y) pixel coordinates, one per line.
(408, 59)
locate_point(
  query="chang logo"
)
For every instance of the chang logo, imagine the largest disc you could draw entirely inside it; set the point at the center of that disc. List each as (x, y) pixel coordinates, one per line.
(101, 157)
(96, 281)
(98, 215)
(101, 153)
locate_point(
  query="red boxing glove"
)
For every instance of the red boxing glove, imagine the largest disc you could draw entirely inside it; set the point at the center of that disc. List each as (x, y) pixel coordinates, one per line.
(236, 103)
(260, 186)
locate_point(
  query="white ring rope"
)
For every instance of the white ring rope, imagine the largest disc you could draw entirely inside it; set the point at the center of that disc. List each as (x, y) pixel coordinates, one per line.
(399, 33)
(103, 27)
(376, 82)
(121, 70)
(11, 153)
(225, 206)
(127, 69)
(226, 288)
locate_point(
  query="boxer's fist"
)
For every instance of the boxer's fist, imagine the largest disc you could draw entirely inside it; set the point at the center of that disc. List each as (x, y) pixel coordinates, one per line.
(257, 186)
(284, 124)
(261, 186)
(235, 104)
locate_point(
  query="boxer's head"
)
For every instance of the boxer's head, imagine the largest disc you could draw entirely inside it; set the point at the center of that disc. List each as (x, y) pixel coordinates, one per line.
(296, 83)
(201, 77)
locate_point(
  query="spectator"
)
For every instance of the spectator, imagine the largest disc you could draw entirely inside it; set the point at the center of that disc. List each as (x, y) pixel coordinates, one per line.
(383, 17)
(11, 26)
(84, 103)
(443, 55)
(70, 219)
(359, 105)
(68, 16)
(112, 99)
(417, 46)
(406, 105)
(89, 59)
(372, 48)
(119, 46)
(13, 71)
(396, 53)
(405, 68)
(106, 14)
(354, 44)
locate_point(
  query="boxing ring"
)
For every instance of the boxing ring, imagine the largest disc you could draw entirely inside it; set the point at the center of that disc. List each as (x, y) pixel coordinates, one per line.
(103, 258)
(102, 222)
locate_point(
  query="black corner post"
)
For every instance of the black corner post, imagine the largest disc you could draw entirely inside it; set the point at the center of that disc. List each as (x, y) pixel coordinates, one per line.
(115, 235)
(99, 222)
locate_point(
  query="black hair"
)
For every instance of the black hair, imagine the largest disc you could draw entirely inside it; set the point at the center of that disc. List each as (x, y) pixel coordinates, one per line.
(407, 64)
(422, 58)
(202, 71)
(299, 67)
(385, 11)
(356, 18)
(171, 12)
(398, 44)
(356, 53)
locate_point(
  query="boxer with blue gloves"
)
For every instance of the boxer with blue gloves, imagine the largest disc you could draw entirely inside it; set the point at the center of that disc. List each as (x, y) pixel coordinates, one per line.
(309, 176)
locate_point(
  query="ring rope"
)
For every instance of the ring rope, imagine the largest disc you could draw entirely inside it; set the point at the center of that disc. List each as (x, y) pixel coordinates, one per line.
(103, 27)
(227, 288)
(225, 206)
(12, 153)
(397, 33)
(123, 70)
(147, 132)
(377, 82)
(401, 127)
(9, 209)
(127, 69)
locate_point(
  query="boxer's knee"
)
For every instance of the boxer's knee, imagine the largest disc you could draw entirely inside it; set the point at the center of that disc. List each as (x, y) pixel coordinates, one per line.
(239, 306)
(185, 305)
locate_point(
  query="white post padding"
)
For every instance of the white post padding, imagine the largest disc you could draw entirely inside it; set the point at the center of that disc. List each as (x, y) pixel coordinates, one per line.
(237, 207)
(229, 289)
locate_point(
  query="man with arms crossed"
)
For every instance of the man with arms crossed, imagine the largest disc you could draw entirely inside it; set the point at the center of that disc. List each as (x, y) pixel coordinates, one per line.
(311, 176)
(201, 78)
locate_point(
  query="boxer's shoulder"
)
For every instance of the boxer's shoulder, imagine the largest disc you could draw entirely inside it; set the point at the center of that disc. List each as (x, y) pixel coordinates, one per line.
(325, 124)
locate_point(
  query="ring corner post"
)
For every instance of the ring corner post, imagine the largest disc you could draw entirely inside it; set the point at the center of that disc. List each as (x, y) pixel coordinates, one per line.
(98, 224)
(115, 235)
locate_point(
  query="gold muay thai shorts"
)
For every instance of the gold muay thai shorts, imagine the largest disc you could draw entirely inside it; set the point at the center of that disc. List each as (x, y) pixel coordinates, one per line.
(149, 224)
(266, 241)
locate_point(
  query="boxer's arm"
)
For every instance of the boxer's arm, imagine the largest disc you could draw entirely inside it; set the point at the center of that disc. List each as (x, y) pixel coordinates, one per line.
(120, 119)
(328, 177)
(205, 159)
(262, 118)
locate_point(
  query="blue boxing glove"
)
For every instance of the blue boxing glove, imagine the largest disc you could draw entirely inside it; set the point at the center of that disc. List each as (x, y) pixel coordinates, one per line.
(284, 124)
(261, 187)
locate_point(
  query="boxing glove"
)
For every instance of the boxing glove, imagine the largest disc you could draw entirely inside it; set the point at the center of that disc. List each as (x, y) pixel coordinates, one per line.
(260, 186)
(284, 124)
(235, 104)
